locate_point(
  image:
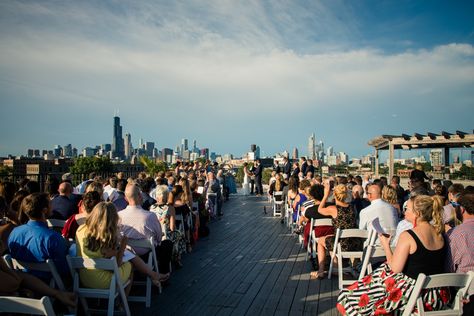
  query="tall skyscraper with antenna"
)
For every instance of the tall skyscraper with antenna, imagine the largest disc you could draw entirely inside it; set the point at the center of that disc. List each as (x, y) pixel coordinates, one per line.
(117, 141)
(311, 147)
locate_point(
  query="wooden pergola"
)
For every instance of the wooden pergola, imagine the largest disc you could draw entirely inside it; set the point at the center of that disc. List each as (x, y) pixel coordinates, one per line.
(444, 141)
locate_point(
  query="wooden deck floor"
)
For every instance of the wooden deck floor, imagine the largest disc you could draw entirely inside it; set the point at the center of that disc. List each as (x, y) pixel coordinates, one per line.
(249, 265)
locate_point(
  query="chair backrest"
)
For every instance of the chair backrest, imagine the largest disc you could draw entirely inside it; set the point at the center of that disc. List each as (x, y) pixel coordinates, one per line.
(22, 305)
(147, 243)
(370, 252)
(55, 223)
(322, 222)
(278, 196)
(47, 266)
(458, 280)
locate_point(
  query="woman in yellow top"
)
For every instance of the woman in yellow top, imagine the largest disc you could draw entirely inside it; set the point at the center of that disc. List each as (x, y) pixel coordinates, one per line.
(99, 238)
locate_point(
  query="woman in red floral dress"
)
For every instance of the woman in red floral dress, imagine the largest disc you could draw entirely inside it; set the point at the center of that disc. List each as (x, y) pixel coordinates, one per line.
(420, 250)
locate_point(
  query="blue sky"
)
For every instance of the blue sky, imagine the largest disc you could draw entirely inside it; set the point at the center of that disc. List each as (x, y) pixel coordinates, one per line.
(233, 73)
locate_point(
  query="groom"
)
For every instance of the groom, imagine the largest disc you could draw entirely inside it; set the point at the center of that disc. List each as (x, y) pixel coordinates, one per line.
(258, 172)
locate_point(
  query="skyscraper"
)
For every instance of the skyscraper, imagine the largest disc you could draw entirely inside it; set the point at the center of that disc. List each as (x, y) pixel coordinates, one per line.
(295, 153)
(184, 146)
(128, 145)
(311, 147)
(117, 141)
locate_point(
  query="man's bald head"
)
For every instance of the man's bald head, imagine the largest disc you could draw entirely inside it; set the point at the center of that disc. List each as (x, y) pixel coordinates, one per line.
(65, 188)
(133, 194)
(373, 193)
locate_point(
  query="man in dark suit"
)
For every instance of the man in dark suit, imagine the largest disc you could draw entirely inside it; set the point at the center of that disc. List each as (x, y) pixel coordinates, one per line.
(304, 166)
(252, 179)
(296, 169)
(310, 168)
(276, 166)
(286, 167)
(258, 172)
(61, 206)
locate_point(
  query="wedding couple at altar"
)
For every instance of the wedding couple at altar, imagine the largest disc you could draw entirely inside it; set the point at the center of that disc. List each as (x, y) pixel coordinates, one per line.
(253, 178)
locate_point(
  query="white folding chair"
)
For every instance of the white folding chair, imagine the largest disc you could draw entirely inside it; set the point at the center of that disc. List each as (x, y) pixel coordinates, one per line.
(277, 203)
(56, 224)
(373, 253)
(288, 214)
(311, 249)
(47, 266)
(115, 289)
(458, 280)
(23, 305)
(152, 262)
(212, 197)
(337, 252)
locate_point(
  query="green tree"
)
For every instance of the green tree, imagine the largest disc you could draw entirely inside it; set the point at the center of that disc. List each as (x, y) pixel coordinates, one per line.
(152, 166)
(266, 175)
(5, 171)
(239, 175)
(85, 165)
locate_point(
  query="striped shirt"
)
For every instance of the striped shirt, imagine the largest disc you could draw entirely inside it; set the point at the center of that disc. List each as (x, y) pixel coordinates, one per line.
(461, 256)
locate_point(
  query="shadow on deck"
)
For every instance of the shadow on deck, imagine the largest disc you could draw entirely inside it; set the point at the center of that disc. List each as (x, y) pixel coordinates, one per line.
(249, 264)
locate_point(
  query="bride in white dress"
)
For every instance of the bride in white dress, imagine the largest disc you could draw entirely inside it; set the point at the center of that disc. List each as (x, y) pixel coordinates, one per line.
(246, 183)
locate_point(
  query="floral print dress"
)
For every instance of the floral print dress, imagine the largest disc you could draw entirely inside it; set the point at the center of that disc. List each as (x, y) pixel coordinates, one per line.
(179, 243)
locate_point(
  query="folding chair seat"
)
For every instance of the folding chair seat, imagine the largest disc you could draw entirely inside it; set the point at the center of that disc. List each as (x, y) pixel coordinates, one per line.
(277, 203)
(22, 305)
(116, 288)
(152, 262)
(337, 252)
(56, 224)
(462, 281)
(311, 249)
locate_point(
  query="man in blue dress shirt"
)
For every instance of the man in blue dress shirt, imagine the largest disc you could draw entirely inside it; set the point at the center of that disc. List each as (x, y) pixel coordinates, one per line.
(34, 241)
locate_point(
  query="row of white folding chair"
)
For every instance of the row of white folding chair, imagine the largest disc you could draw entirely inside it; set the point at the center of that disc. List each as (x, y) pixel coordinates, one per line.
(278, 203)
(311, 249)
(462, 281)
(152, 262)
(340, 255)
(23, 305)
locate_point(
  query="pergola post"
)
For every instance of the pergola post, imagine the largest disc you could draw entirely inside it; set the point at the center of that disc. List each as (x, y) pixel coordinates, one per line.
(390, 165)
(376, 163)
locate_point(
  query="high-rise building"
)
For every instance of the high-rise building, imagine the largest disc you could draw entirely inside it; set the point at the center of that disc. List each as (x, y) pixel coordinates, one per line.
(184, 145)
(117, 141)
(194, 146)
(67, 151)
(128, 146)
(166, 154)
(311, 147)
(295, 155)
(436, 157)
(149, 146)
(253, 148)
(330, 151)
(57, 151)
(205, 153)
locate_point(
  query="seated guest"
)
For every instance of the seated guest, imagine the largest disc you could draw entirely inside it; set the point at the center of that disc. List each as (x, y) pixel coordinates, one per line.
(343, 217)
(389, 195)
(110, 189)
(461, 241)
(277, 185)
(315, 194)
(146, 185)
(385, 213)
(61, 206)
(137, 223)
(450, 218)
(96, 240)
(119, 200)
(89, 200)
(34, 241)
(358, 202)
(166, 215)
(419, 250)
(14, 280)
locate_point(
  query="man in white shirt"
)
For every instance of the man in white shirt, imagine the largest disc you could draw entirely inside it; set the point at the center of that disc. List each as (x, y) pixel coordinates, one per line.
(137, 223)
(378, 211)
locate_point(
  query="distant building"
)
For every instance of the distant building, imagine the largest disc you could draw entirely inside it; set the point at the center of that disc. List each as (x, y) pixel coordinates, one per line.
(149, 147)
(205, 153)
(295, 155)
(436, 157)
(184, 145)
(57, 151)
(67, 151)
(166, 154)
(330, 151)
(311, 147)
(88, 152)
(128, 146)
(117, 140)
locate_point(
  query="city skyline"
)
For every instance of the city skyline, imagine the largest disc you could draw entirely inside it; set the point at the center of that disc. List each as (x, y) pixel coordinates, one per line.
(229, 74)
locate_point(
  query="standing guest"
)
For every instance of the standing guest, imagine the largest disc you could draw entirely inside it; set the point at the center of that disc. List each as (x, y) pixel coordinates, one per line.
(286, 169)
(276, 166)
(304, 166)
(420, 250)
(296, 170)
(62, 207)
(258, 177)
(34, 241)
(461, 241)
(378, 209)
(310, 169)
(252, 178)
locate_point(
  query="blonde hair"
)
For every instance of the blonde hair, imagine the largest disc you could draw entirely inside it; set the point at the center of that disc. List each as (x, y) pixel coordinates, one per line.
(186, 197)
(95, 186)
(162, 191)
(430, 209)
(102, 227)
(389, 195)
(340, 192)
(278, 184)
